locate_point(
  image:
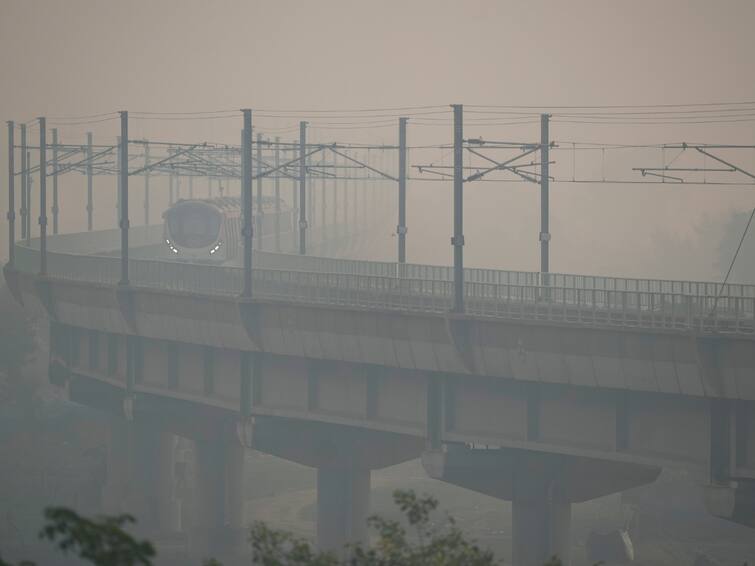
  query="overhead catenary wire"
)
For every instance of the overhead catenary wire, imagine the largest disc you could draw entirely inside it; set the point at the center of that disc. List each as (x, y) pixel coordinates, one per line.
(593, 110)
(657, 123)
(268, 120)
(617, 106)
(83, 122)
(81, 117)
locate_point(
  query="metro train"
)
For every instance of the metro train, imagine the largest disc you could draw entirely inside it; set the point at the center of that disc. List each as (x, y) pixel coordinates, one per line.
(209, 230)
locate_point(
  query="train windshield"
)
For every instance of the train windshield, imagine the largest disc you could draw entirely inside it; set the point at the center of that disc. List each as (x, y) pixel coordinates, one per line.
(194, 225)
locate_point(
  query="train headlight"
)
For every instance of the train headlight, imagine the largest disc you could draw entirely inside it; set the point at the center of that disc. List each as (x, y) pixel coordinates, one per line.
(171, 246)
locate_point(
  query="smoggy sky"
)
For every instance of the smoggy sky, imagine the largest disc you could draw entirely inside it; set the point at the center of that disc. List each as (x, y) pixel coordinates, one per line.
(74, 57)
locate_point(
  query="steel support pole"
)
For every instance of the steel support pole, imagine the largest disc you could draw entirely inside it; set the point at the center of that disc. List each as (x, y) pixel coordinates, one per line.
(295, 211)
(369, 219)
(334, 230)
(246, 196)
(123, 197)
(368, 203)
(277, 227)
(90, 206)
(544, 213)
(355, 213)
(458, 239)
(119, 163)
(146, 184)
(259, 218)
(346, 199)
(29, 183)
(24, 176)
(11, 216)
(42, 197)
(323, 200)
(54, 180)
(401, 228)
(359, 192)
(191, 186)
(302, 188)
(311, 217)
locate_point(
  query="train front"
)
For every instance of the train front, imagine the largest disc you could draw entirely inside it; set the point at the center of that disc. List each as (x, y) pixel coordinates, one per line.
(193, 231)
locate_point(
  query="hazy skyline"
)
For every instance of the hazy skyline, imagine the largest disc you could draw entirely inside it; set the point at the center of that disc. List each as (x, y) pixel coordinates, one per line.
(81, 58)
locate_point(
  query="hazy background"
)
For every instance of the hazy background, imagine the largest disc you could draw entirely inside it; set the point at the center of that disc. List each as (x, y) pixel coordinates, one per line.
(76, 57)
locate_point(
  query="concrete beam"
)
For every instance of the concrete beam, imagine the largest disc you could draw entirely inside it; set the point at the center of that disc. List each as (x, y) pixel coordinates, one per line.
(343, 457)
(496, 472)
(542, 487)
(319, 444)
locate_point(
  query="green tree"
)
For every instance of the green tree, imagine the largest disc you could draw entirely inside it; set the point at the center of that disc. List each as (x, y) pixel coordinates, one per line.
(102, 541)
(424, 543)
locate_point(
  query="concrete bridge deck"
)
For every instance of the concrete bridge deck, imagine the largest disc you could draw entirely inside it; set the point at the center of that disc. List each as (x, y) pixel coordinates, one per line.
(543, 395)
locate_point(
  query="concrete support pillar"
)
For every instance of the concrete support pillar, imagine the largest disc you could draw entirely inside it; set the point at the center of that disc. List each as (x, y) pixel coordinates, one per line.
(343, 457)
(168, 509)
(117, 487)
(343, 502)
(210, 513)
(541, 486)
(152, 489)
(219, 523)
(140, 476)
(541, 526)
(234, 487)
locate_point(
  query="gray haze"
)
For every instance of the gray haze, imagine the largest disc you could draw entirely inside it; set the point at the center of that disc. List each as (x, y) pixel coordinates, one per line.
(79, 58)
(638, 420)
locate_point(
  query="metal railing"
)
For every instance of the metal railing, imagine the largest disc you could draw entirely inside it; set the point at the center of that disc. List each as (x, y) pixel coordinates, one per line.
(91, 242)
(503, 277)
(424, 288)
